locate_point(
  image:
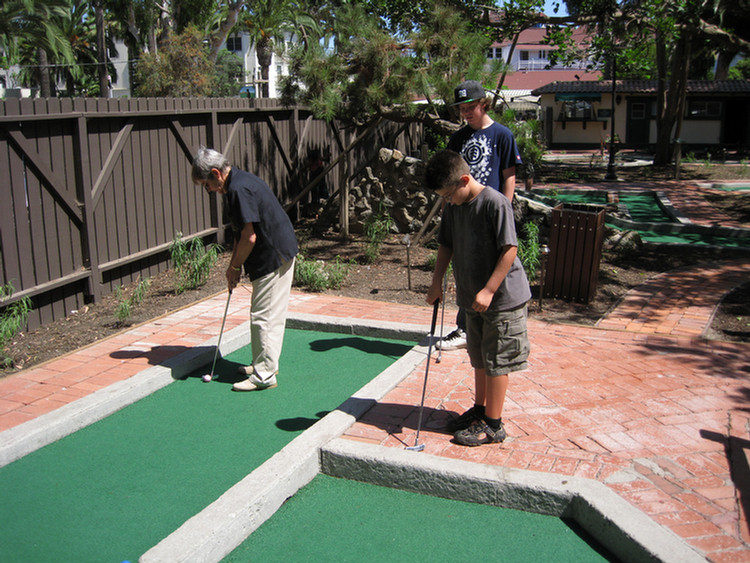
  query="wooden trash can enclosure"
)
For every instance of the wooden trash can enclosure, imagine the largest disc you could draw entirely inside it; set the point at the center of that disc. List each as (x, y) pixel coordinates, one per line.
(576, 236)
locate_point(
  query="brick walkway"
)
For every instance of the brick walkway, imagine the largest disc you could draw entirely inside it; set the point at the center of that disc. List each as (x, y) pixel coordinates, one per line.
(641, 402)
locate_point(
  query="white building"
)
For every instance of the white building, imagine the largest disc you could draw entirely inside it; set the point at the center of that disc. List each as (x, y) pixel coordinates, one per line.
(530, 60)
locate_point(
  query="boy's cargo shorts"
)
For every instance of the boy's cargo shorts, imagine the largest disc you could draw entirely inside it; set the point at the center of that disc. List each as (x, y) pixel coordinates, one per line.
(497, 340)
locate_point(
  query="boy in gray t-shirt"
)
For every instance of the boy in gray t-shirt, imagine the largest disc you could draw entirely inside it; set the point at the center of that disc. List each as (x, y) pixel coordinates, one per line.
(478, 233)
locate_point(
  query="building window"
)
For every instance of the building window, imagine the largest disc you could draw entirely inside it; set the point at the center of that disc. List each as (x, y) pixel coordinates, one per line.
(577, 110)
(638, 110)
(704, 109)
(524, 55)
(543, 55)
(495, 53)
(234, 44)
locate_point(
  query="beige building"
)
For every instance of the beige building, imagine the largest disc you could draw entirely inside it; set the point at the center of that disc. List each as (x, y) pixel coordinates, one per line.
(579, 114)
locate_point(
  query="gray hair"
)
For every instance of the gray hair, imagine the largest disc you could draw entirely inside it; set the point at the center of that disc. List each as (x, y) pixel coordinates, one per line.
(205, 160)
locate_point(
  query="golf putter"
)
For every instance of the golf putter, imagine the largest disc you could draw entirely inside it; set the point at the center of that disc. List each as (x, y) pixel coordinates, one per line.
(209, 376)
(442, 320)
(417, 447)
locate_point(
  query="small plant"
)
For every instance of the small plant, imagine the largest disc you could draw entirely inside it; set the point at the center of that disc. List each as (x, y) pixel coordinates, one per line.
(377, 228)
(12, 320)
(125, 305)
(529, 250)
(571, 175)
(432, 261)
(317, 275)
(192, 262)
(690, 157)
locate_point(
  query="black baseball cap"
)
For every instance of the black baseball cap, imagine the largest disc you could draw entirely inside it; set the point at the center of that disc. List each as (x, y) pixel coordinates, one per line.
(468, 91)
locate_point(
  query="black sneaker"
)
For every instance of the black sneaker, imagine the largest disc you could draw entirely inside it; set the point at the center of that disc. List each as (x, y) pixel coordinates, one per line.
(480, 433)
(465, 420)
(453, 341)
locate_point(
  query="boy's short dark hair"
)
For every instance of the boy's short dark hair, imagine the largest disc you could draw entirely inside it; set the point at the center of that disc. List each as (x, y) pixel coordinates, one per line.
(445, 169)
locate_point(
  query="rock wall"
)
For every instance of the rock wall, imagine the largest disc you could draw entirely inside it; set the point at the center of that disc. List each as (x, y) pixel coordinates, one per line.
(392, 185)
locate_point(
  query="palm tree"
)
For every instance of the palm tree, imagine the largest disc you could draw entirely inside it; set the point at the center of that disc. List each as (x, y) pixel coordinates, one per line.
(31, 34)
(269, 22)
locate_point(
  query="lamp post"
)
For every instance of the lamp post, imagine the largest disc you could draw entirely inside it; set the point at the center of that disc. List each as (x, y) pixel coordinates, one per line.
(544, 250)
(611, 176)
(407, 242)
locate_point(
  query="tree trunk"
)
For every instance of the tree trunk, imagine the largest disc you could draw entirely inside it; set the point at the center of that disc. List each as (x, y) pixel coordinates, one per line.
(45, 84)
(101, 51)
(723, 61)
(226, 26)
(264, 53)
(663, 128)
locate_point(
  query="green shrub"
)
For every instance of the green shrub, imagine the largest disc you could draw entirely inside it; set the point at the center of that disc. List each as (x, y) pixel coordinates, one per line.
(432, 261)
(529, 139)
(12, 320)
(192, 262)
(377, 227)
(125, 305)
(316, 275)
(529, 250)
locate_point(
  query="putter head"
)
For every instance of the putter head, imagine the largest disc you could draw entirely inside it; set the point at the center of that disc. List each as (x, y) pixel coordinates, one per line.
(415, 448)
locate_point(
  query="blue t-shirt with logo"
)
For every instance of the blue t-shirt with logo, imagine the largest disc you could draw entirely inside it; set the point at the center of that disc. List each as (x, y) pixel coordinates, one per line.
(488, 151)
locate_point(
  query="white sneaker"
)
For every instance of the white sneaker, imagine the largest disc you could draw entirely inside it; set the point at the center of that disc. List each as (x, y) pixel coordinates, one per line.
(252, 383)
(245, 370)
(454, 341)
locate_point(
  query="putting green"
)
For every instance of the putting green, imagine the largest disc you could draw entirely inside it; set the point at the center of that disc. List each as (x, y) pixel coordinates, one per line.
(644, 208)
(338, 520)
(113, 490)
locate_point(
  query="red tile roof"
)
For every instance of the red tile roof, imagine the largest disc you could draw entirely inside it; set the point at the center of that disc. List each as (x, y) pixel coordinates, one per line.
(530, 79)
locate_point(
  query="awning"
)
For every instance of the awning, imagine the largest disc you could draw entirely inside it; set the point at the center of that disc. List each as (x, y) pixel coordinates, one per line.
(579, 96)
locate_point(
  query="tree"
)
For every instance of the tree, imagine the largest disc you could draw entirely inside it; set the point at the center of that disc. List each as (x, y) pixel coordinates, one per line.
(181, 68)
(268, 23)
(740, 71)
(675, 32)
(31, 35)
(360, 71)
(81, 30)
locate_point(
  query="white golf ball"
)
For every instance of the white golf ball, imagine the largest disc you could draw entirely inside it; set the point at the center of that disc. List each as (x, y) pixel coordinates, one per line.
(207, 378)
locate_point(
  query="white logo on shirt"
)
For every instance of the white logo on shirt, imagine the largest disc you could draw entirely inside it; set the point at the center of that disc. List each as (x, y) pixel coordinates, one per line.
(476, 151)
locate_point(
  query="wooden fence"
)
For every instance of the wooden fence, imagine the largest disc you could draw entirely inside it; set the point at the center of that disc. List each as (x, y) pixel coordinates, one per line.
(95, 191)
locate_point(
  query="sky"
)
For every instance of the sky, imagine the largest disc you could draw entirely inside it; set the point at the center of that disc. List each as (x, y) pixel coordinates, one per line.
(549, 8)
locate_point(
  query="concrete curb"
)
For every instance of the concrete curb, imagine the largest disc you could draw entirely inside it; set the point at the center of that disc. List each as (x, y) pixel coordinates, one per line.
(623, 529)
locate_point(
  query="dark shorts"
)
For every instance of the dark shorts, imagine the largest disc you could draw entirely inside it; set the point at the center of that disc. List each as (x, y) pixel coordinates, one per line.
(497, 340)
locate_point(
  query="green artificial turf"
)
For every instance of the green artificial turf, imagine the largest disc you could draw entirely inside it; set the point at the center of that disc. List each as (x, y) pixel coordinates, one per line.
(644, 208)
(113, 490)
(345, 521)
